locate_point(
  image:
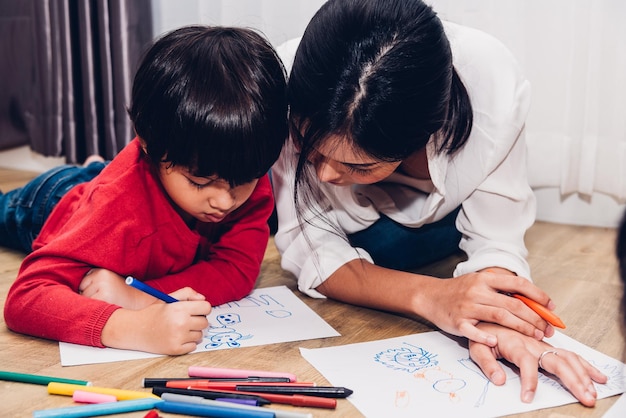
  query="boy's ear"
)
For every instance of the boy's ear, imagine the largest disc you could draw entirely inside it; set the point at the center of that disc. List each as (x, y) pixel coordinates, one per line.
(144, 146)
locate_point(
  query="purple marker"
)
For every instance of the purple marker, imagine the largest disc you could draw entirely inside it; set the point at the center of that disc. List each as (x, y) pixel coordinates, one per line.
(251, 402)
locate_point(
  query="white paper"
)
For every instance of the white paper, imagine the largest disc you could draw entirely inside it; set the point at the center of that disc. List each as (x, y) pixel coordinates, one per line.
(431, 374)
(618, 410)
(267, 316)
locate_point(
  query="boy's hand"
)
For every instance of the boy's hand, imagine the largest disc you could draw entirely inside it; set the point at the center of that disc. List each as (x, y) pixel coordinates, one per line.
(110, 287)
(162, 328)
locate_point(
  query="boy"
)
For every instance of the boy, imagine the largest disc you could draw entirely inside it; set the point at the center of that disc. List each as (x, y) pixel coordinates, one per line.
(184, 207)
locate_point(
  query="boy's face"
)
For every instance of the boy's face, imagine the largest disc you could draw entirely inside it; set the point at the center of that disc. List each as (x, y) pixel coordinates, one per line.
(206, 199)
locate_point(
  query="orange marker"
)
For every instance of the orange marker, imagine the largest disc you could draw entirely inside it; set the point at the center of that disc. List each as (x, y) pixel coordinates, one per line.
(541, 310)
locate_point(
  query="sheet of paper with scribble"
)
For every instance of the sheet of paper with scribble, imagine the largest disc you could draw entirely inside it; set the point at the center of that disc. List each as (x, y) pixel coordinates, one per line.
(267, 316)
(431, 374)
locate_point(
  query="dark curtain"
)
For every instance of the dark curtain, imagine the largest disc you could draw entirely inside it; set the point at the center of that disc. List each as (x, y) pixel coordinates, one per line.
(84, 55)
(15, 70)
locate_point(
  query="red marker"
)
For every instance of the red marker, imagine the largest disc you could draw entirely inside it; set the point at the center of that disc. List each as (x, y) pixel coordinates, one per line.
(297, 400)
(152, 414)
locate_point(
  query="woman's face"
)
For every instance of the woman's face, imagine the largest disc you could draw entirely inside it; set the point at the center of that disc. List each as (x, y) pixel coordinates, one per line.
(337, 162)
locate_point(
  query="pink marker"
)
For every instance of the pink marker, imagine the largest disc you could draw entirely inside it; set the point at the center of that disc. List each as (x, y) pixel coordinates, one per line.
(92, 397)
(218, 372)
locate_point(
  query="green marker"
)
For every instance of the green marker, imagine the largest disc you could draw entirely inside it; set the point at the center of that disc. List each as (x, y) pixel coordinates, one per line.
(37, 379)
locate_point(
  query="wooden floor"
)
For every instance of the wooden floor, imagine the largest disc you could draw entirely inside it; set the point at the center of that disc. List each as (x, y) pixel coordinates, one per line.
(575, 265)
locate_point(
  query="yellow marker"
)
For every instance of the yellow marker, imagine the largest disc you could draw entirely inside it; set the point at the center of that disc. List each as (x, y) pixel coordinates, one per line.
(67, 389)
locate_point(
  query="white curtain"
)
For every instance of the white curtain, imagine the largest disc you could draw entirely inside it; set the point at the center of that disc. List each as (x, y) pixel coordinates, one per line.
(574, 54)
(279, 20)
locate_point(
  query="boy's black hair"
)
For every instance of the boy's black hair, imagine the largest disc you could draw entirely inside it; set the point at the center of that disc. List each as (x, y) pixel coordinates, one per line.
(212, 99)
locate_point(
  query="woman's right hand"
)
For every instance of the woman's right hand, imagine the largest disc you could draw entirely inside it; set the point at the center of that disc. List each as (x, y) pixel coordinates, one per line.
(161, 328)
(459, 304)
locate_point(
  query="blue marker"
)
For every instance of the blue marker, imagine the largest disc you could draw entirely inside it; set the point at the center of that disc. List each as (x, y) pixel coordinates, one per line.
(97, 409)
(131, 281)
(205, 410)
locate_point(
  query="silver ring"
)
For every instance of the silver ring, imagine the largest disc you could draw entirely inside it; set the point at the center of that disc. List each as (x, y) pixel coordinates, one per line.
(544, 353)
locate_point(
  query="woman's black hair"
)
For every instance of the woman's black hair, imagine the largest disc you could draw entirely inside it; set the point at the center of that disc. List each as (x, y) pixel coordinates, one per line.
(213, 100)
(378, 73)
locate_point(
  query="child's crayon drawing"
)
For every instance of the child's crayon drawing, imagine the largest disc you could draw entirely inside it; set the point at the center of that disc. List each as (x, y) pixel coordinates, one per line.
(431, 374)
(267, 316)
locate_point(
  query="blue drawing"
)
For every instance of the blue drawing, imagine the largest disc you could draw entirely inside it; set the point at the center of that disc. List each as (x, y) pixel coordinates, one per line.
(279, 313)
(469, 364)
(250, 302)
(227, 334)
(228, 319)
(224, 335)
(406, 359)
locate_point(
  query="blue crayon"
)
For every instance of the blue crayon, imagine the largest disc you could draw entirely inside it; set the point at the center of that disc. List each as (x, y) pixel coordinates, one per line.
(131, 281)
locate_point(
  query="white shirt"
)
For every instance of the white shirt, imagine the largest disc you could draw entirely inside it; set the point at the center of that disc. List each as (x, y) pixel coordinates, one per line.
(487, 177)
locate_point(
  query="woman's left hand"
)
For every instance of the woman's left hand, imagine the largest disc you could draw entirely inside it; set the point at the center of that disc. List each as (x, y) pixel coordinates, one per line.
(574, 372)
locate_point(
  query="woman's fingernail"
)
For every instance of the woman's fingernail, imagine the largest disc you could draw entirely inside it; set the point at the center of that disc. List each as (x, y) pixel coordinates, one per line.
(491, 340)
(539, 335)
(528, 396)
(496, 377)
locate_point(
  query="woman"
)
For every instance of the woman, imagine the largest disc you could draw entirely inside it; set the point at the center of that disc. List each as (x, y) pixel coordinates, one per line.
(407, 144)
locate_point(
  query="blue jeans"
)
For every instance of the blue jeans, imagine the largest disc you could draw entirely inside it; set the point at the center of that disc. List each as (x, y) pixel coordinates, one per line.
(399, 247)
(23, 211)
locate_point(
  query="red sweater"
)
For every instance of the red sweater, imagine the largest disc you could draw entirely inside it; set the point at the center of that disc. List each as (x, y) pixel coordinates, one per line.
(122, 221)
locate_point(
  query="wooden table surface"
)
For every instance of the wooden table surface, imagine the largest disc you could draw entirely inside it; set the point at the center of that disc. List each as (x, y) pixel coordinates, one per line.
(573, 264)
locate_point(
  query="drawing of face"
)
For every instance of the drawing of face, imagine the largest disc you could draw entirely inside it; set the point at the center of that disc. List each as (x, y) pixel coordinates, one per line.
(228, 319)
(413, 360)
(407, 359)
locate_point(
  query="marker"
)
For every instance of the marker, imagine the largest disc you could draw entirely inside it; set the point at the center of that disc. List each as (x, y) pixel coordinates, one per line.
(211, 394)
(541, 310)
(55, 388)
(279, 413)
(131, 281)
(213, 372)
(150, 382)
(38, 379)
(321, 391)
(249, 402)
(216, 411)
(152, 414)
(208, 384)
(99, 409)
(82, 396)
(298, 400)
(265, 398)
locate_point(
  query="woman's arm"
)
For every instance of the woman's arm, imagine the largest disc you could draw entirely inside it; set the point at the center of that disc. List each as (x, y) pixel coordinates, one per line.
(455, 305)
